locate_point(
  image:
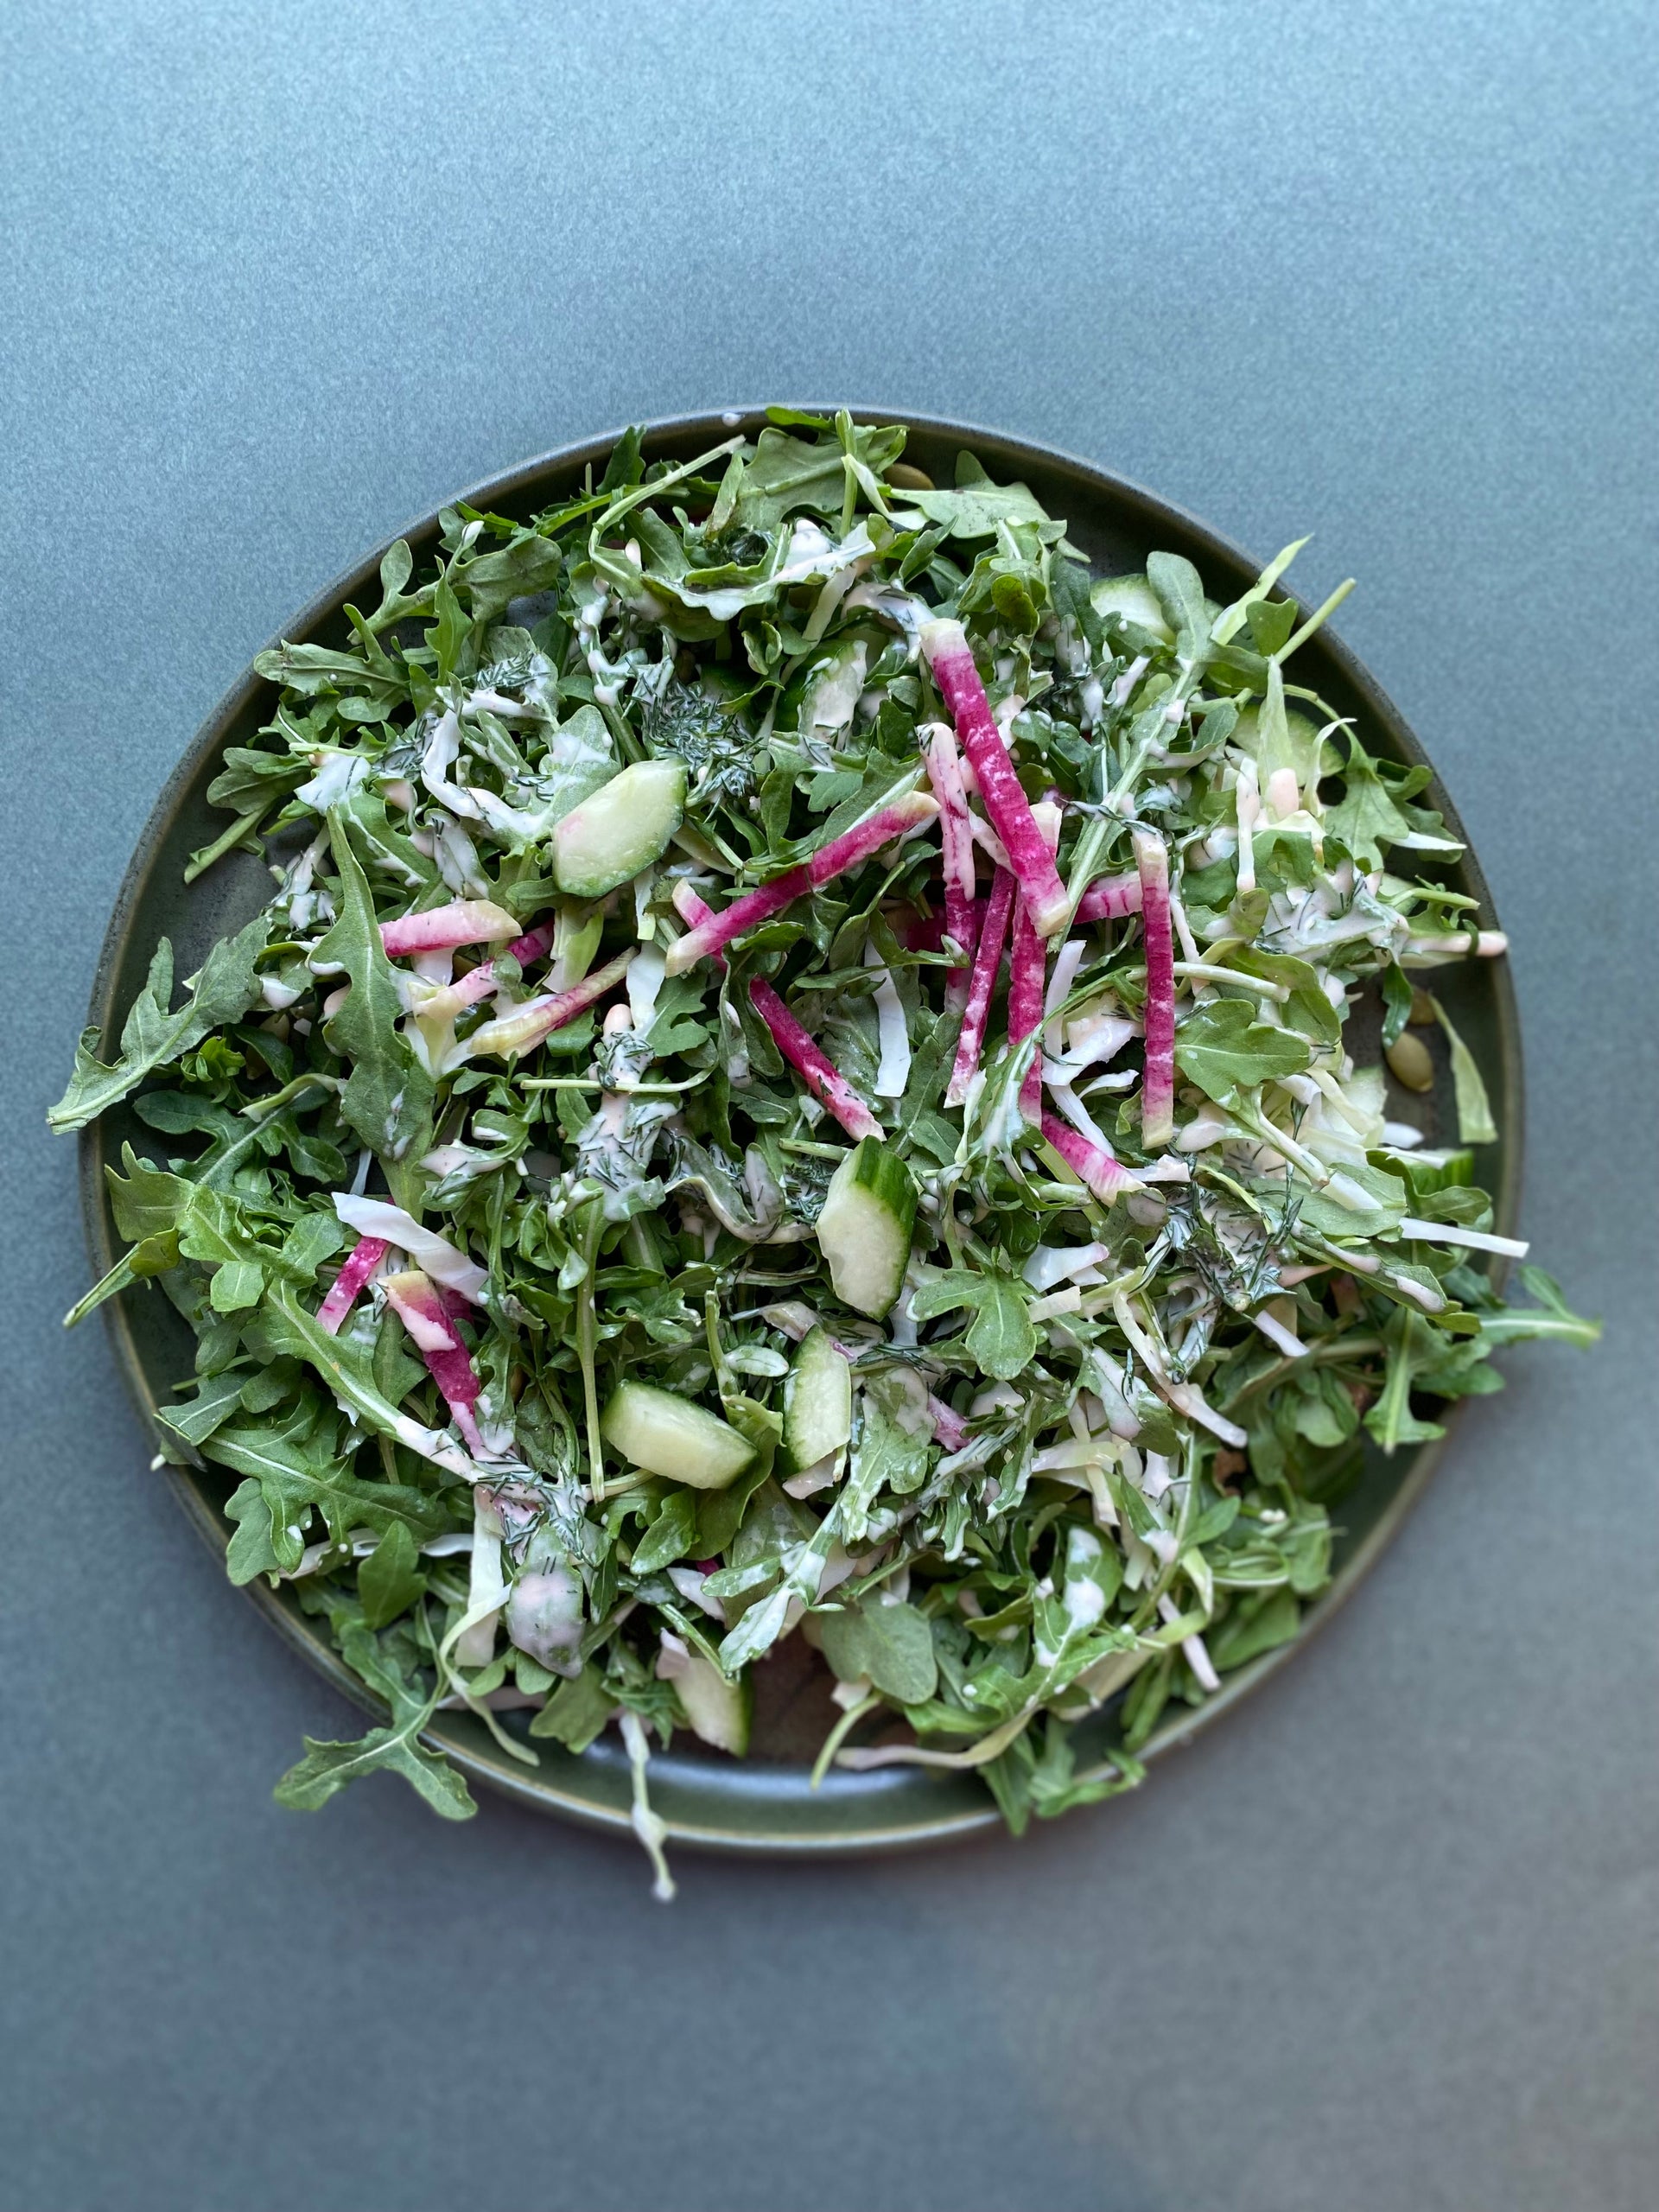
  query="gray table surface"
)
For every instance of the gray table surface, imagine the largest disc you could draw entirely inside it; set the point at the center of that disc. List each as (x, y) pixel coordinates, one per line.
(279, 277)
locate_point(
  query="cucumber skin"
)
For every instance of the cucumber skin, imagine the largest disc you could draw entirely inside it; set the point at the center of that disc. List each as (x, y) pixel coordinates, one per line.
(581, 877)
(883, 1178)
(810, 1377)
(720, 1712)
(695, 1420)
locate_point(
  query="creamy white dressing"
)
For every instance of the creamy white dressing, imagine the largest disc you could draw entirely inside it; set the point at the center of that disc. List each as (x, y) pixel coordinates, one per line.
(442, 747)
(457, 859)
(832, 698)
(340, 772)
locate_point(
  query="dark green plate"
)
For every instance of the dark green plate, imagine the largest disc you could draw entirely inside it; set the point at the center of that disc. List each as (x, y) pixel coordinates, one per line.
(763, 1804)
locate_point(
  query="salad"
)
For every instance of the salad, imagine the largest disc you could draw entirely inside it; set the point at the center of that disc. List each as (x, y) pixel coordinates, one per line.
(811, 1068)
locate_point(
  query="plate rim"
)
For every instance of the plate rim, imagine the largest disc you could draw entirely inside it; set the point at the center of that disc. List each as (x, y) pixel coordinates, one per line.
(1178, 1729)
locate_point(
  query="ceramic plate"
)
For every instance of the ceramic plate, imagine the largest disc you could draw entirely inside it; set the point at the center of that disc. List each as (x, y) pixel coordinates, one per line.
(763, 1803)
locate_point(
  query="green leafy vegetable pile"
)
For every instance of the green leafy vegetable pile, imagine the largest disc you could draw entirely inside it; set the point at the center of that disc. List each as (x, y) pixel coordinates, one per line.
(630, 1212)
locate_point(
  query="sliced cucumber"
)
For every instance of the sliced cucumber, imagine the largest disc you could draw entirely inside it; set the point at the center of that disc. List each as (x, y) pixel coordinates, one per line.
(668, 1435)
(864, 1229)
(817, 1401)
(719, 1711)
(624, 827)
(1134, 598)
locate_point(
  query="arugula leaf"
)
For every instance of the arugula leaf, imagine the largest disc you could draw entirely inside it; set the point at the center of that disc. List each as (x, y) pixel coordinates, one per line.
(1333, 1217)
(1223, 1048)
(1475, 1123)
(294, 1458)
(979, 509)
(388, 1094)
(1000, 1336)
(390, 1580)
(251, 780)
(1307, 1010)
(150, 1036)
(1553, 1318)
(670, 1536)
(396, 1748)
(1371, 814)
(787, 474)
(889, 1453)
(577, 1712)
(892, 1645)
(527, 564)
(1397, 996)
(1180, 592)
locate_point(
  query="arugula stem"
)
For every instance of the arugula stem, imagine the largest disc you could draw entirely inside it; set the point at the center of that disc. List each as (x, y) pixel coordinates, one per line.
(588, 1341)
(839, 1733)
(244, 826)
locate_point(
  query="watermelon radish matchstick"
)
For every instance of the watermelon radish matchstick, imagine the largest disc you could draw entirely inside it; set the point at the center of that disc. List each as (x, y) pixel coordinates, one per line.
(956, 837)
(441, 928)
(360, 1263)
(759, 906)
(1026, 975)
(525, 1026)
(821, 1077)
(694, 911)
(1092, 1163)
(952, 660)
(415, 1299)
(988, 958)
(1109, 898)
(1158, 1083)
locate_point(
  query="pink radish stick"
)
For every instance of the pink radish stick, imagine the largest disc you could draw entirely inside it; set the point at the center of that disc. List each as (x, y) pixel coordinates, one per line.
(479, 982)
(1158, 1084)
(868, 836)
(759, 906)
(828, 1085)
(455, 998)
(946, 647)
(420, 1305)
(534, 944)
(467, 921)
(744, 914)
(1026, 975)
(925, 932)
(360, 1263)
(1109, 898)
(523, 1029)
(694, 911)
(1104, 1176)
(1026, 1003)
(988, 958)
(956, 837)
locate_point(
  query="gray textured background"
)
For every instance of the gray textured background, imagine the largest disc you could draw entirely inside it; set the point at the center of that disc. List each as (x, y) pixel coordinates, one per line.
(278, 276)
